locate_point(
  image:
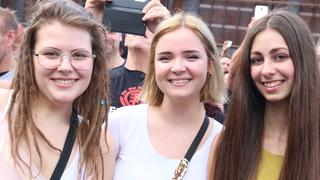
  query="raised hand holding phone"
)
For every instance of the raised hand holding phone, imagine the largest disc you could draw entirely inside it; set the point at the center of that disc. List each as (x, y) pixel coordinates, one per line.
(260, 11)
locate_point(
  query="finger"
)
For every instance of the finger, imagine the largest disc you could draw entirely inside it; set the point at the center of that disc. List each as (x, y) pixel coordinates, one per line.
(151, 4)
(156, 13)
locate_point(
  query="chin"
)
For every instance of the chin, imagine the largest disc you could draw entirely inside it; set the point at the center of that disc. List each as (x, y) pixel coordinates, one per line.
(276, 99)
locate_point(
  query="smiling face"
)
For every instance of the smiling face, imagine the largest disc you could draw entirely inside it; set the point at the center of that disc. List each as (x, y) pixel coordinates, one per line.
(61, 85)
(181, 64)
(272, 69)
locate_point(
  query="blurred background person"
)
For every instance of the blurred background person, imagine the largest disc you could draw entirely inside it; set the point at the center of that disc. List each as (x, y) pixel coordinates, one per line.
(113, 49)
(8, 40)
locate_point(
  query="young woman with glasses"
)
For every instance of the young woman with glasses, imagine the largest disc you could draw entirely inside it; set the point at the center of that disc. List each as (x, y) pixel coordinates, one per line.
(51, 123)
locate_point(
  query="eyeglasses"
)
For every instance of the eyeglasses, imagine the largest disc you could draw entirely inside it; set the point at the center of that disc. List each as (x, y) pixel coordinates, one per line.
(50, 58)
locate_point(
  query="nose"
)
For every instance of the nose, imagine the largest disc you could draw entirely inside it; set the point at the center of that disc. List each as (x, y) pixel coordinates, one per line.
(65, 64)
(178, 65)
(268, 67)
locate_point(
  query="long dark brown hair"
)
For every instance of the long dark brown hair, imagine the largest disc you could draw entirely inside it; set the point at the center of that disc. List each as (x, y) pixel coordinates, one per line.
(88, 104)
(238, 152)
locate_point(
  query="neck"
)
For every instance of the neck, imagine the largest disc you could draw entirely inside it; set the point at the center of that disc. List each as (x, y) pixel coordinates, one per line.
(50, 114)
(137, 60)
(115, 60)
(182, 113)
(276, 118)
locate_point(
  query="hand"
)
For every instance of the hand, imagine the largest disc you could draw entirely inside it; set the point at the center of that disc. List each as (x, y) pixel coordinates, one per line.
(154, 12)
(251, 23)
(224, 49)
(96, 7)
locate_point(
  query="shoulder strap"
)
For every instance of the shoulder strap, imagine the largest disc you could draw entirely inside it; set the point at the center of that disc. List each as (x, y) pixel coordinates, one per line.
(67, 148)
(183, 165)
(192, 149)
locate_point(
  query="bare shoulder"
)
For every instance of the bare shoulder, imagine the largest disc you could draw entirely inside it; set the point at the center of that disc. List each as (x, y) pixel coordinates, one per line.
(4, 96)
(6, 84)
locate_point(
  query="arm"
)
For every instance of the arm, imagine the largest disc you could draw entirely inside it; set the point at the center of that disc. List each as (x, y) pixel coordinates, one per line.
(108, 155)
(96, 7)
(224, 49)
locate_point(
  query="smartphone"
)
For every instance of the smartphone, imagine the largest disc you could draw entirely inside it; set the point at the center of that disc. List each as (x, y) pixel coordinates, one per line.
(125, 16)
(228, 43)
(260, 11)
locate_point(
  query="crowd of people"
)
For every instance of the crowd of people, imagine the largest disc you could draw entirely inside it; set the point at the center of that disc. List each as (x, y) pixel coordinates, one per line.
(75, 104)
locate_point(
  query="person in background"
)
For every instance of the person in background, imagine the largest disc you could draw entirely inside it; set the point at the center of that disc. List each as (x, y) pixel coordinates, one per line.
(8, 38)
(184, 72)
(225, 59)
(113, 49)
(51, 121)
(273, 124)
(126, 80)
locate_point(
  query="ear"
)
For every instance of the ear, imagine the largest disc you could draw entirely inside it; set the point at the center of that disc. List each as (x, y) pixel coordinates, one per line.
(11, 38)
(210, 65)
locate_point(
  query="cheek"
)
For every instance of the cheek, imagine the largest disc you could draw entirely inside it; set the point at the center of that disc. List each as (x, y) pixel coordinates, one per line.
(254, 73)
(88, 75)
(159, 71)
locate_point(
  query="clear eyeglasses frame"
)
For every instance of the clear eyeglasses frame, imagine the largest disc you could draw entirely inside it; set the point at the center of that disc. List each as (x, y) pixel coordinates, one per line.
(50, 58)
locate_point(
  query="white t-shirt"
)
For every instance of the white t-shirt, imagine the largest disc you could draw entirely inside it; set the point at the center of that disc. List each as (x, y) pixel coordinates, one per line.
(137, 159)
(7, 169)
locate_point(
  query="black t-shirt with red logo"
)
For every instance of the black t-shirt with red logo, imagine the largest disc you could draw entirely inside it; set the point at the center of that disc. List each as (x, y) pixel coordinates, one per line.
(125, 86)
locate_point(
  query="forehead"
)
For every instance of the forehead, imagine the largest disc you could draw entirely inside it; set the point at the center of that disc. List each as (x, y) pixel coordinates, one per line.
(224, 59)
(182, 39)
(268, 39)
(56, 34)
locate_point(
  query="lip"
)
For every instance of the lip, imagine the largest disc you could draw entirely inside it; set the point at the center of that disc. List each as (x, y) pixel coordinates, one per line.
(179, 82)
(64, 82)
(272, 86)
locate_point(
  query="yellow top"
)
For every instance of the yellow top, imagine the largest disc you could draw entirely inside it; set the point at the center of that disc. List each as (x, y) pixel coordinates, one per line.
(270, 166)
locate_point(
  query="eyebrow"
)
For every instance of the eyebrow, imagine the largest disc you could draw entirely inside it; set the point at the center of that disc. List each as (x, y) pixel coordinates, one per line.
(272, 50)
(184, 52)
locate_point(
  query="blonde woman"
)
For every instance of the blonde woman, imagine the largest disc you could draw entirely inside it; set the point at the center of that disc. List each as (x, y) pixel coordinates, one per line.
(151, 140)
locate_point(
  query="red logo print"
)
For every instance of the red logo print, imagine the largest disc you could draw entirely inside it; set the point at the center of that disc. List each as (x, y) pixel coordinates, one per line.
(129, 97)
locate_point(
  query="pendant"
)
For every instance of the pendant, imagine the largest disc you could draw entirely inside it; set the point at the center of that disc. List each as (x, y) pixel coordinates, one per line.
(181, 169)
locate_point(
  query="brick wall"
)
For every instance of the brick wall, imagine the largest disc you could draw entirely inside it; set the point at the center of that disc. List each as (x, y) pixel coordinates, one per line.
(228, 19)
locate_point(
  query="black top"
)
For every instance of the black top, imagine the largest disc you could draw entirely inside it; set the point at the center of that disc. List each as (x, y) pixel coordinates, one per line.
(3, 73)
(125, 86)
